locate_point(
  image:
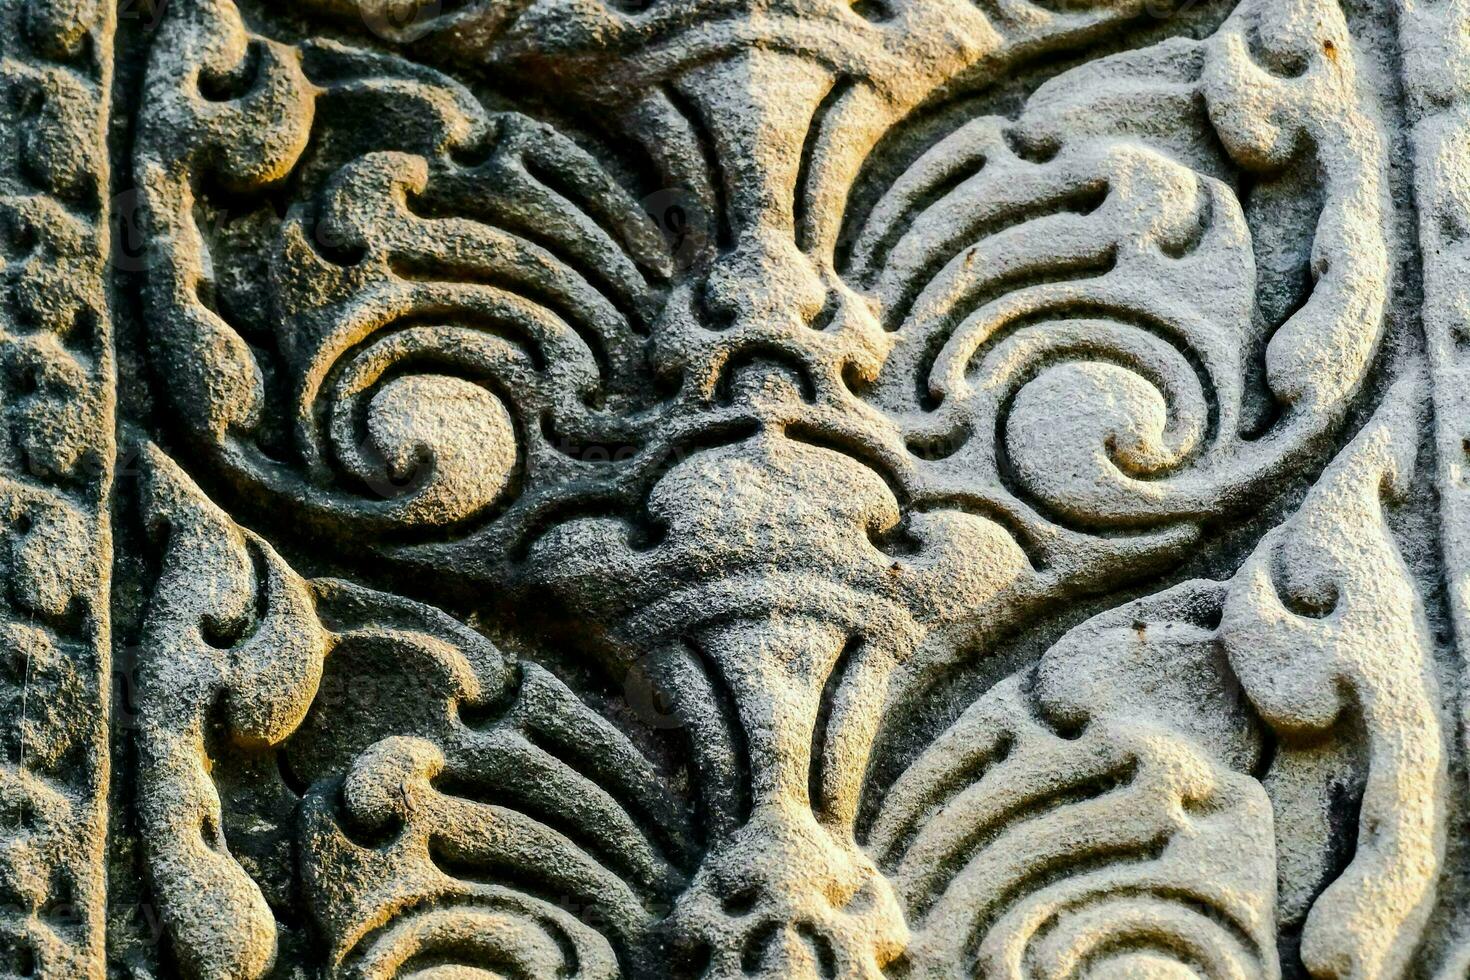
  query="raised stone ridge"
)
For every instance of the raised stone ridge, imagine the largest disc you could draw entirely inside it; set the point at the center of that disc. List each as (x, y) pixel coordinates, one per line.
(779, 489)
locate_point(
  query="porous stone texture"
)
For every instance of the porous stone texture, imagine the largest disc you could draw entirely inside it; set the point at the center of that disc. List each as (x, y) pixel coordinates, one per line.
(810, 489)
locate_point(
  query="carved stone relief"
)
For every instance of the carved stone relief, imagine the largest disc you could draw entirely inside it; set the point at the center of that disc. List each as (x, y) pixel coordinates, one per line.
(718, 489)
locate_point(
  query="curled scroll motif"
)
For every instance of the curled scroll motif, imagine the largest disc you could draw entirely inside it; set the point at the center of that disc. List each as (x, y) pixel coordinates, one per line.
(448, 284)
(512, 788)
(1330, 596)
(467, 316)
(1079, 282)
(1046, 835)
(229, 628)
(485, 816)
(1109, 810)
(824, 473)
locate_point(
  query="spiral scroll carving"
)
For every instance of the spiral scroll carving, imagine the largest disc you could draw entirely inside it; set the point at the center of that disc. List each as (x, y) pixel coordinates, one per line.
(446, 272)
(773, 437)
(1036, 272)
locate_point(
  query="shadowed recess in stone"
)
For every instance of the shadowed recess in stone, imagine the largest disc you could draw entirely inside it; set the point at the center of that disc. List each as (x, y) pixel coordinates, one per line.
(733, 489)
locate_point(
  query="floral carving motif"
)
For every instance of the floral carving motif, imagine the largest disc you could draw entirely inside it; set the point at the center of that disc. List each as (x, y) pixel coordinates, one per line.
(856, 400)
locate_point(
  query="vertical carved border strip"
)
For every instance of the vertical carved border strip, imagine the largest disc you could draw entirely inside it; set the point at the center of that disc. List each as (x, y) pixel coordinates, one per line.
(56, 459)
(1436, 57)
(1435, 45)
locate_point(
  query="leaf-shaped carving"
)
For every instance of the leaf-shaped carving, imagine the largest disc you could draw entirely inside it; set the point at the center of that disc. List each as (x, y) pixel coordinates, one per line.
(1079, 282)
(1098, 810)
(1110, 806)
(454, 292)
(467, 318)
(1326, 631)
(455, 802)
(231, 631)
(512, 785)
(824, 473)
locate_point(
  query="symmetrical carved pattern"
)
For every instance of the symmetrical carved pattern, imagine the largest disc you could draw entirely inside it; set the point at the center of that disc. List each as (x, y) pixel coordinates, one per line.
(55, 467)
(724, 489)
(519, 282)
